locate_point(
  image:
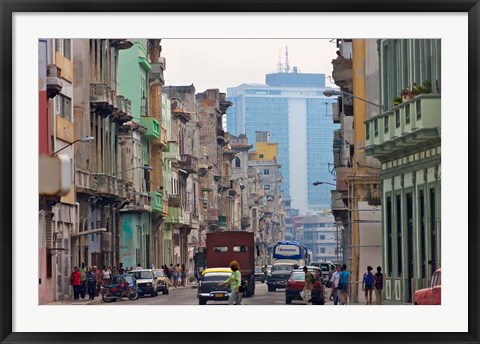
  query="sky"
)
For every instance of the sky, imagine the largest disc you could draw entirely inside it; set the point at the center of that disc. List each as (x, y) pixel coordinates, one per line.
(222, 63)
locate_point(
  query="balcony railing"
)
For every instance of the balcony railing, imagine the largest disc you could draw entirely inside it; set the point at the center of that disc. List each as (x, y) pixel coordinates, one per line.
(172, 152)
(99, 94)
(188, 163)
(156, 201)
(408, 124)
(153, 127)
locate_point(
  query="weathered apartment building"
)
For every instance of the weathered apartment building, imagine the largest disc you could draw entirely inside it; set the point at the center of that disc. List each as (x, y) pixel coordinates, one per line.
(148, 168)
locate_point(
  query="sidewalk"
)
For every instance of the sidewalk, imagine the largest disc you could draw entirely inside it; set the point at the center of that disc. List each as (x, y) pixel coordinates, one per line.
(86, 301)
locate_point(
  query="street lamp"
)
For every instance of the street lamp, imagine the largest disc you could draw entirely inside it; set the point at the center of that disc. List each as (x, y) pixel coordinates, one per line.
(333, 92)
(318, 183)
(83, 139)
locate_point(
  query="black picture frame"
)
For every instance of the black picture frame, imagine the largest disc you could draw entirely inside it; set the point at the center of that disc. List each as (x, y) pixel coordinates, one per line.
(9, 7)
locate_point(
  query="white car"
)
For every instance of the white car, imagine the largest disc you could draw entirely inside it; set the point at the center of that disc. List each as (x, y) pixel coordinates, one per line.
(146, 282)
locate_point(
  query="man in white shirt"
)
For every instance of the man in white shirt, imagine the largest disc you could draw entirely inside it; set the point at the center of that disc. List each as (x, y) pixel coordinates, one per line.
(334, 285)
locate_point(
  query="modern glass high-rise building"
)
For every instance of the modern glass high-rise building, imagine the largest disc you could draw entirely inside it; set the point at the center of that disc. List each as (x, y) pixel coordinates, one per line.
(292, 107)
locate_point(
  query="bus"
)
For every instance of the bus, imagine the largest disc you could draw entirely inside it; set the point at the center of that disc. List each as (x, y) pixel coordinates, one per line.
(291, 252)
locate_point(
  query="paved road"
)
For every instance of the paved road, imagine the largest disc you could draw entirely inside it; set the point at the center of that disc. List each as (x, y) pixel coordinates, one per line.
(188, 296)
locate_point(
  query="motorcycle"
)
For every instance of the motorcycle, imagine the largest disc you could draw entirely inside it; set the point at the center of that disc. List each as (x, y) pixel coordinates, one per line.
(114, 292)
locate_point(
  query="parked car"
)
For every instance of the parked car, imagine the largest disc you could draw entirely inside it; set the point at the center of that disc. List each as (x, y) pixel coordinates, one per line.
(208, 288)
(162, 281)
(259, 275)
(432, 295)
(279, 276)
(296, 283)
(146, 282)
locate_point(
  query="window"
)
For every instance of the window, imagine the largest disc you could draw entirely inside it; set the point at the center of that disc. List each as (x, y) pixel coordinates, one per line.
(418, 105)
(397, 119)
(266, 186)
(63, 107)
(375, 127)
(240, 249)
(322, 237)
(237, 162)
(367, 129)
(322, 249)
(266, 172)
(385, 124)
(407, 114)
(64, 47)
(260, 156)
(220, 249)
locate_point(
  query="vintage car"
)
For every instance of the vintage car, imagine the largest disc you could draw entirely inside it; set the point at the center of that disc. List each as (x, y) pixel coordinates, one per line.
(162, 281)
(209, 288)
(146, 282)
(259, 275)
(432, 295)
(279, 275)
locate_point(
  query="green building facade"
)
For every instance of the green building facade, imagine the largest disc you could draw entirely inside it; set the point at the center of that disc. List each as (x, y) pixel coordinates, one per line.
(406, 138)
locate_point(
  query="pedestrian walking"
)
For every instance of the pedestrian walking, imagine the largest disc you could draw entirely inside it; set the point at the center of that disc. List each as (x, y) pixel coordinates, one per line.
(330, 274)
(307, 288)
(367, 284)
(139, 267)
(265, 272)
(378, 285)
(175, 276)
(99, 280)
(83, 276)
(168, 273)
(335, 293)
(106, 276)
(76, 282)
(91, 283)
(344, 284)
(121, 269)
(115, 271)
(234, 281)
(183, 275)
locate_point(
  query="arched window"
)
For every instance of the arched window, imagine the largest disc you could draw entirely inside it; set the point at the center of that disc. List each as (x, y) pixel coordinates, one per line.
(237, 162)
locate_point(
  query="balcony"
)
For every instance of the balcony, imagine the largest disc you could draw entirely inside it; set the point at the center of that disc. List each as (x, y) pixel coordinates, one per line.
(188, 163)
(54, 80)
(163, 136)
(172, 153)
(99, 94)
(342, 71)
(221, 137)
(212, 215)
(222, 221)
(153, 127)
(175, 215)
(140, 202)
(156, 201)
(406, 125)
(174, 200)
(156, 72)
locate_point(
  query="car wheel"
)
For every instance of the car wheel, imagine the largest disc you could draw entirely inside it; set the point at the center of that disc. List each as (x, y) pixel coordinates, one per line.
(202, 301)
(288, 300)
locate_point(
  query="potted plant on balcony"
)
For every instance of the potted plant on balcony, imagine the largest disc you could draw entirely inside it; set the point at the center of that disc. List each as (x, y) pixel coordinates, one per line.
(408, 93)
(397, 100)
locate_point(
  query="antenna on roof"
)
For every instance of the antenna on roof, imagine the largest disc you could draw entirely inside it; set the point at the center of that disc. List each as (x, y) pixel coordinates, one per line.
(287, 66)
(279, 64)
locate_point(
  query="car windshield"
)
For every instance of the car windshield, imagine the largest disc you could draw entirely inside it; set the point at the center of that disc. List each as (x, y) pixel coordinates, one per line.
(282, 267)
(324, 267)
(121, 278)
(142, 274)
(297, 276)
(158, 273)
(216, 276)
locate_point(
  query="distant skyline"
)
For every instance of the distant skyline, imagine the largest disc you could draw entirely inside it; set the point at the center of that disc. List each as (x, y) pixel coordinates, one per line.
(223, 63)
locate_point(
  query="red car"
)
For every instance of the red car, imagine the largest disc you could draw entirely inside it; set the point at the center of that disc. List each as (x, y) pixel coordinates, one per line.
(432, 295)
(296, 282)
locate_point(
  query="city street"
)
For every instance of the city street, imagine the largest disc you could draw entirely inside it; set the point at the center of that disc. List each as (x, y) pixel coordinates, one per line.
(188, 296)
